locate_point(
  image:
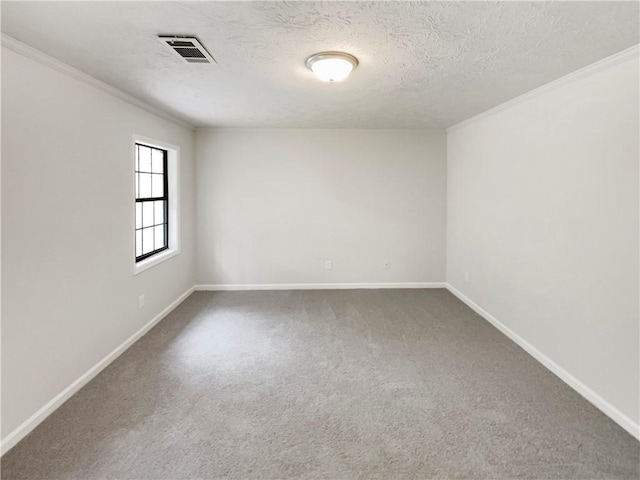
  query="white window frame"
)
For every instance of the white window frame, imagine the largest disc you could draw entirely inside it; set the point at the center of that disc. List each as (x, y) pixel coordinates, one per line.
(173, 180)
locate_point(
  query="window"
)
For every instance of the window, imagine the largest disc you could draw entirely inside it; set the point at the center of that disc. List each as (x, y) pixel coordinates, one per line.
(156, 213)
(152, 201)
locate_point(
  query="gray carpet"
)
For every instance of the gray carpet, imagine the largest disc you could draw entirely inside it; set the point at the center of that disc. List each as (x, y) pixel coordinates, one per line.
(325, 384)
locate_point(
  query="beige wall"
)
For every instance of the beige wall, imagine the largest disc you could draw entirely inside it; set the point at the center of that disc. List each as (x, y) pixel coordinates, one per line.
(273, 205)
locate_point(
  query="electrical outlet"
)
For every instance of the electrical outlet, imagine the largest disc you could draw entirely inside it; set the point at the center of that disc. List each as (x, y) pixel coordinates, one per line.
(466, 276)
(387, 264)
(328, 265)
(141, 301)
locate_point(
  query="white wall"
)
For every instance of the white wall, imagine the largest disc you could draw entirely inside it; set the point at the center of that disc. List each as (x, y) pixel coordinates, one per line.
(273, 205)
(543, 214)
(69, 297)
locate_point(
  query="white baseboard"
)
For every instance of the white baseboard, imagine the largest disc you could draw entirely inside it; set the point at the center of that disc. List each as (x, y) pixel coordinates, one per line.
(32, 422)
(608, 409)
(316, 286)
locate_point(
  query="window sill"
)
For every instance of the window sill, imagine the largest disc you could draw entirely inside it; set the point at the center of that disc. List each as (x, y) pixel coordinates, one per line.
(155, 260)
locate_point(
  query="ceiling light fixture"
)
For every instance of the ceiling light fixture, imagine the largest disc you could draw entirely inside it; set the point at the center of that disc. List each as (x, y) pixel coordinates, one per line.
(332, 66)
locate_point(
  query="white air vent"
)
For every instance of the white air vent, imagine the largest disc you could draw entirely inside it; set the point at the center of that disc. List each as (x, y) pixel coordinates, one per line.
(187, 48)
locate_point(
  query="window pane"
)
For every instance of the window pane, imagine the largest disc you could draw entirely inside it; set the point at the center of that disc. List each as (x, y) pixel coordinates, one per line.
(157, 165)
(159, 235)
(157, 189)
(145, 185)
(138, 215)
(138, 243)
(150, 217)
(159, 211)
(147, 214)
(144, 157)
(147, 240)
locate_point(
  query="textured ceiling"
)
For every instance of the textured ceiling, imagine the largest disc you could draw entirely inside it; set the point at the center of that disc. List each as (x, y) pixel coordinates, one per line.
(422, 64)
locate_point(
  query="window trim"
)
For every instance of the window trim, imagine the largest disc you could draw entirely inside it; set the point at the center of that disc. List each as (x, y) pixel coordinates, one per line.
(173, 209)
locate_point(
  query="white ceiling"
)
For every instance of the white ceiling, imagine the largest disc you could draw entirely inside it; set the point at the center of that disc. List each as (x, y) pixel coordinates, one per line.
(422, 64)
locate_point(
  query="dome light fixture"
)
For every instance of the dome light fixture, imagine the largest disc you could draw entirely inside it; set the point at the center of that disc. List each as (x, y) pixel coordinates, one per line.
(332, 66)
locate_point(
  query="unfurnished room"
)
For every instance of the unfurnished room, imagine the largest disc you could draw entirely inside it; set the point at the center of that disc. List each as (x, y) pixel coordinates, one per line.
(320, 240)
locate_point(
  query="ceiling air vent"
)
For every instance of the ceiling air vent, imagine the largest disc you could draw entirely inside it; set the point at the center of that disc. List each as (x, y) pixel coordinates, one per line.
(188, 48)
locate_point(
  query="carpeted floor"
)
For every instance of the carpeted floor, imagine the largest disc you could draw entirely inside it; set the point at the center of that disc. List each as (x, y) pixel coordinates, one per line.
(325, 384)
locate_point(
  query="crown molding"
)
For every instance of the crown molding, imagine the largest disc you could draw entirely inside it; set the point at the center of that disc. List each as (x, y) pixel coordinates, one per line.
(584, 72)
(427, 130)
(48, 61)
